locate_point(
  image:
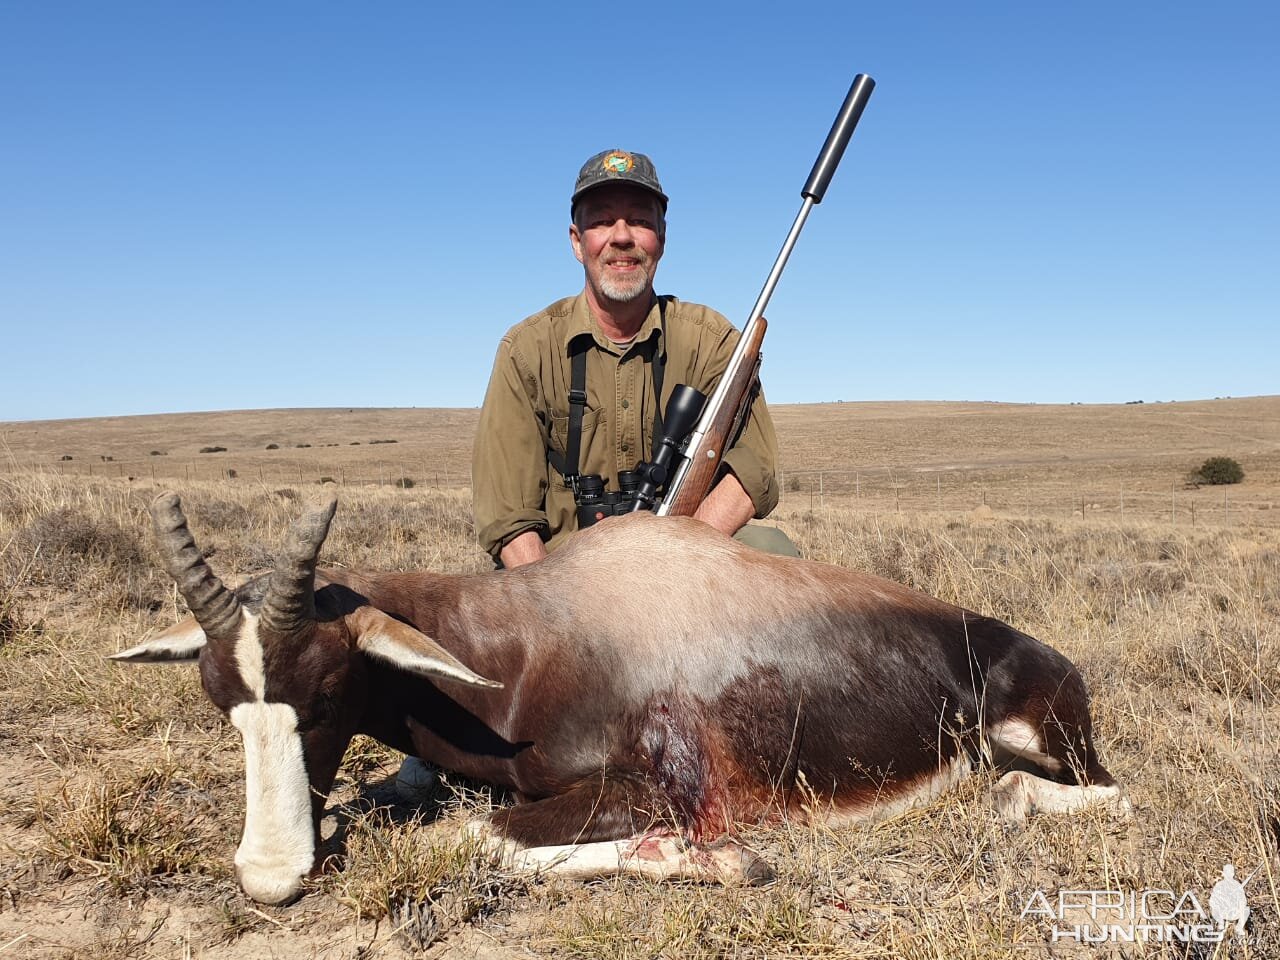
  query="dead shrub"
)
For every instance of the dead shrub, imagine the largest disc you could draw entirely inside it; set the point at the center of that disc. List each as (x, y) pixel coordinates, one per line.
(12, 624)
(219, 514)
(61, 545)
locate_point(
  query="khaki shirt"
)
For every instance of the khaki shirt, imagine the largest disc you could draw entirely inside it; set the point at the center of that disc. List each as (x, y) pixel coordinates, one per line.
(526, 411)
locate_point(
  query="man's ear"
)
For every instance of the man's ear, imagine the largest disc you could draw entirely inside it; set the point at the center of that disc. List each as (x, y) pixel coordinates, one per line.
(386, 638)
(575, 238)
(183, 641)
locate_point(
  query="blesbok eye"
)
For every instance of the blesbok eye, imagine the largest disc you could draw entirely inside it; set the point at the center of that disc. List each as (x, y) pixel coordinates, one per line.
(322, 712)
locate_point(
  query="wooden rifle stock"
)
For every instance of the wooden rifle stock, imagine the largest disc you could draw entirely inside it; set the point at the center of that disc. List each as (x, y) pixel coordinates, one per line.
(722, 418)
(720, 425)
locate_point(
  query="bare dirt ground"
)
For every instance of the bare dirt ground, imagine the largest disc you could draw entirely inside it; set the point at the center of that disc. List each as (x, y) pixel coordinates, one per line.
(120, 787)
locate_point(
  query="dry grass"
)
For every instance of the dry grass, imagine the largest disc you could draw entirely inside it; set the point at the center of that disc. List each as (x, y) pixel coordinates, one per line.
(1119, 461)
(120, 797)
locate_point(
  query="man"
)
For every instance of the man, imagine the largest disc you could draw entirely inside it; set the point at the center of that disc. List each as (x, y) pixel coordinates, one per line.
(637, 347)
(634, 348)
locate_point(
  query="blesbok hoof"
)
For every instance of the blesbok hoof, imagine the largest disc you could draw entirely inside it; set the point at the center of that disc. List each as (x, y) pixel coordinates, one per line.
(417, 781)
(735, 864)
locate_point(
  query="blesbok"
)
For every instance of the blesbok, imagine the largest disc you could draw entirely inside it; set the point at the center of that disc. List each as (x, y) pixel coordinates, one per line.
(642, 691)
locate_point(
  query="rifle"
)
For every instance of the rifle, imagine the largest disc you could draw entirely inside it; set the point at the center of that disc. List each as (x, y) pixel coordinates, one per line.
(722, 416)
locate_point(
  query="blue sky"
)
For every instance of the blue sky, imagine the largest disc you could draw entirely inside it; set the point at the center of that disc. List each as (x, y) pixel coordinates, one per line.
(242, 205)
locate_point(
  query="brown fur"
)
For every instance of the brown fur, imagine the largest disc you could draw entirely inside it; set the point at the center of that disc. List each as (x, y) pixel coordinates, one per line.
(654, 671)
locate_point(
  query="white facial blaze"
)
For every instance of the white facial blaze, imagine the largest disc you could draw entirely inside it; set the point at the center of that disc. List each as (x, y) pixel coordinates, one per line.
(278, 846)
(249, 657)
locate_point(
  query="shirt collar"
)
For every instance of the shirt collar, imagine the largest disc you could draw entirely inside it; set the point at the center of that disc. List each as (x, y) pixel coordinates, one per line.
(582, 323)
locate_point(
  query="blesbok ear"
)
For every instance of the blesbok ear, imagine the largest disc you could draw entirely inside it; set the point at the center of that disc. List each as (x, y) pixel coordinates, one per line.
(183, 641)
(386, 638)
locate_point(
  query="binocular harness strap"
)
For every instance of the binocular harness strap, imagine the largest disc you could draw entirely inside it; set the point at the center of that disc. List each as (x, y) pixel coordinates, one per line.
(570, 466)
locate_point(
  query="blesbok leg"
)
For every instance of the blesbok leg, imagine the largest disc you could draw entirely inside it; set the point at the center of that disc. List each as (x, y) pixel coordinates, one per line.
(608, 827)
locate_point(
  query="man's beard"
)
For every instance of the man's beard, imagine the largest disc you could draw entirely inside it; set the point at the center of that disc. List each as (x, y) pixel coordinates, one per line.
(625, 290)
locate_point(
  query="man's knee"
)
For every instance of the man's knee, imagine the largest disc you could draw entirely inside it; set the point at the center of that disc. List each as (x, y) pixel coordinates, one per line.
(768, 539)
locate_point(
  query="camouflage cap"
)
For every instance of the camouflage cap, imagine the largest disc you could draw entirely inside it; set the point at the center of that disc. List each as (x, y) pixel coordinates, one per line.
(618, 166)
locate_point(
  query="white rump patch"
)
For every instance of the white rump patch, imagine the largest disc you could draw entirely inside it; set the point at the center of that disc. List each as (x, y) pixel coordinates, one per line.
(278, 846)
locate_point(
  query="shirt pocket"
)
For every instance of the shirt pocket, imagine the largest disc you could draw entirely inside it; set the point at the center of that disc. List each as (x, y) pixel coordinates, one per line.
(591, 422)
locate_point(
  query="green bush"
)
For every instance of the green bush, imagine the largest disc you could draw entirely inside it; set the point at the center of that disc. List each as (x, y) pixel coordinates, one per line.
(1219, 470)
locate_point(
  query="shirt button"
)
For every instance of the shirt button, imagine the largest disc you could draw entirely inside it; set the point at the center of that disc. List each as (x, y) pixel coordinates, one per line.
(625, 404)
(625, 446)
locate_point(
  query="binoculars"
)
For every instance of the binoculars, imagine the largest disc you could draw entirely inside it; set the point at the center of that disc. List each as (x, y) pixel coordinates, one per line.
(642, 487)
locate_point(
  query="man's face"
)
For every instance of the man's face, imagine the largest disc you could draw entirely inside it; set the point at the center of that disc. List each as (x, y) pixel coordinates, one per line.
(618, 236)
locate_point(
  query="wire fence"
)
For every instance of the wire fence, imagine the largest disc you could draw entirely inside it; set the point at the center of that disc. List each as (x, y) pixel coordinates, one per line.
(965, 491)
(404, 473)
(904, 490)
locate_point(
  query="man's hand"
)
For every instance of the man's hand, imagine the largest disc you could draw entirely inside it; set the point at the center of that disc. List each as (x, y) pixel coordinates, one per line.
(525, 548)
(727, 507)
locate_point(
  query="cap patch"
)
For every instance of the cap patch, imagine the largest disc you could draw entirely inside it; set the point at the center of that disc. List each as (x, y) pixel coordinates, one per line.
(618, 162)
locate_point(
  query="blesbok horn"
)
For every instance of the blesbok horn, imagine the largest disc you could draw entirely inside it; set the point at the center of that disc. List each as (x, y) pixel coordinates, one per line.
(290, 599)
(215, 608)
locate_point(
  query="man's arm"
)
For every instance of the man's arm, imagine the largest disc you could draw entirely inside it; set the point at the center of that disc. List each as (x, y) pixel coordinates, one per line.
(526, 548)
(509, 468)
(727, 507)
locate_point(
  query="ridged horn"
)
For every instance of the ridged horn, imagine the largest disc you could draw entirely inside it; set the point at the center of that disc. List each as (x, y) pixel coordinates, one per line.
(215, 608)
(290, 600)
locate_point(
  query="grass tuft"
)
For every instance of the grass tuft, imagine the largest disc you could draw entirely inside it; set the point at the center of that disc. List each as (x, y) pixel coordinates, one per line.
(427, 877)
(131, 830)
